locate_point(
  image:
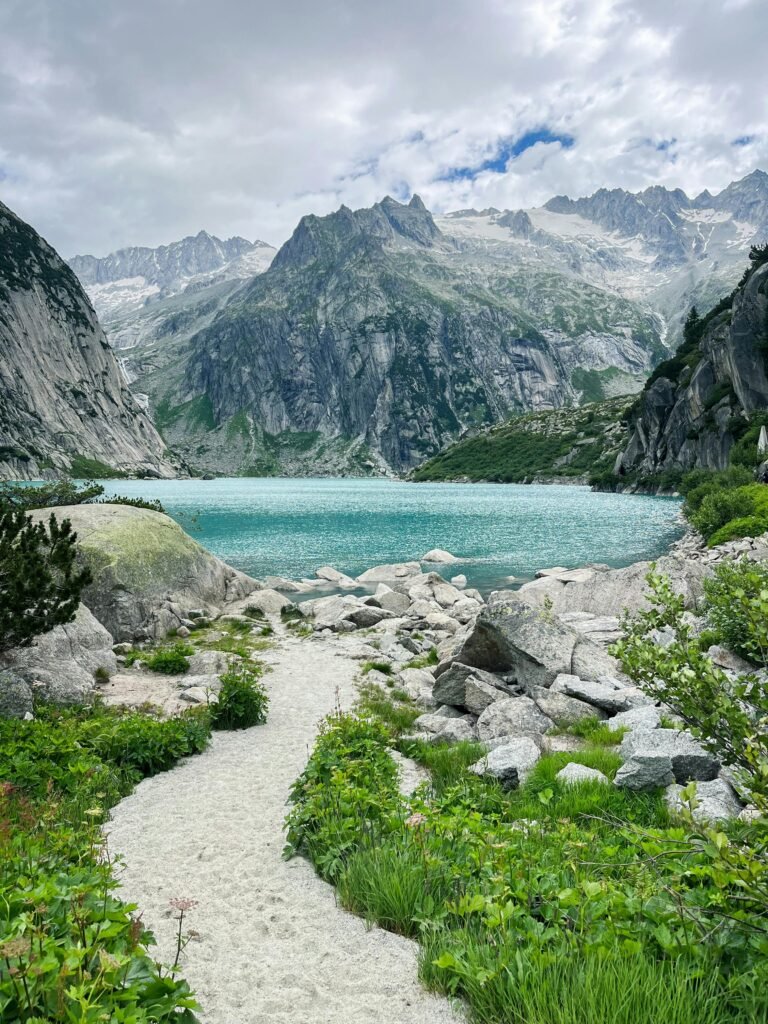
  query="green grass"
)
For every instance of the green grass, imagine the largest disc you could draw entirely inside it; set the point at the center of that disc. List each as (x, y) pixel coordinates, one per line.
(447, 764)
(83, 468)
(503, 986)
(377, 666)
(596, 731)
(424, 660)
(397, 715)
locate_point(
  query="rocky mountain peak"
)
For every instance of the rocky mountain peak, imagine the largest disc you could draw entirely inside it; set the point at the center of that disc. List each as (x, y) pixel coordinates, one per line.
(387, 222)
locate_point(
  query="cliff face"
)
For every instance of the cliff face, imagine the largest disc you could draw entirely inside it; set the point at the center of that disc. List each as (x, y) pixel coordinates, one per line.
(369, 344)
(62, 394)
(692, 418)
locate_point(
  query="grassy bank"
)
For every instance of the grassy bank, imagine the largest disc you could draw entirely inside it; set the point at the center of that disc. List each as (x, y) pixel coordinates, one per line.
(572, 905)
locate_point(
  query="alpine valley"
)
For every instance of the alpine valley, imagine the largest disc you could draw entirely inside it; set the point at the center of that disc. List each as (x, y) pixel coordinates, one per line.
(374, 338)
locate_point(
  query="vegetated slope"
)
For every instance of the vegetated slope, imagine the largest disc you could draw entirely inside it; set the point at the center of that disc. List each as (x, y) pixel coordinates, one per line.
(562, 444)
(703, 408)
(64, 403)
(372, 341)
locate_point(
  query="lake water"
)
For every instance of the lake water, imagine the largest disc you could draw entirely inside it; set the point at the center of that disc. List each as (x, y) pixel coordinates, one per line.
(290, 527)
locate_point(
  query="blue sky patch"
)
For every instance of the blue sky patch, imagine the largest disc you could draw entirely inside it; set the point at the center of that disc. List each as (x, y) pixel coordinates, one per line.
(508, 149)
(743, 140)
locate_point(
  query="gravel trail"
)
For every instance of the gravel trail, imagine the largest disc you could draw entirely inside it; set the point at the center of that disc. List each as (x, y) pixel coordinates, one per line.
(273, 947)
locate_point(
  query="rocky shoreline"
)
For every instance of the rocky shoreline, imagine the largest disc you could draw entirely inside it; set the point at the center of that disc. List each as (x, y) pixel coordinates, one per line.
(514, 671)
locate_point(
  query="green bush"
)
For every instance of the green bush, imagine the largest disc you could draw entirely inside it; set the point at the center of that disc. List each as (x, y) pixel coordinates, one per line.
(172, 661)
(721, 507)
(737, 608)
(243, 701)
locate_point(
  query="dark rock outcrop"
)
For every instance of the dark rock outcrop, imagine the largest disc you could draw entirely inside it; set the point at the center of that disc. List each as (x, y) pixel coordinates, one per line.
(692, 418)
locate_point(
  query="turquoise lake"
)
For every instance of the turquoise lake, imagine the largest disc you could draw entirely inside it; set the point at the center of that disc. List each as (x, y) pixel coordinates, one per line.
(290, 527)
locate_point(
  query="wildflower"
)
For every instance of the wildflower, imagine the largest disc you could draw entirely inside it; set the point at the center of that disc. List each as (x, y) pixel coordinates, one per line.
(108, 962)
(183, 903)
(416, 820)
(93, 812)
(14, 947)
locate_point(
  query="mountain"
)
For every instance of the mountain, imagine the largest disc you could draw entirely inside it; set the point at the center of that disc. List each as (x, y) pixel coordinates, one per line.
(378, 336)
(700, 407)
(129, 288)
(373, 339)
(64, 403)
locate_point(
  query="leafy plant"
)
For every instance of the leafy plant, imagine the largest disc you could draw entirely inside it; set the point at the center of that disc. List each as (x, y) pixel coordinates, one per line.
(170, 661)
(730, 715)
(243, 701)
(737, 608)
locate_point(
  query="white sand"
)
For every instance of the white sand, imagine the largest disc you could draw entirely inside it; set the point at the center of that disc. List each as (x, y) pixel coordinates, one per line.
(273, 945)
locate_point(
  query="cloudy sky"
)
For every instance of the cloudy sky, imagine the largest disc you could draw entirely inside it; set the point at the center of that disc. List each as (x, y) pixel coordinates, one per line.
(140, 121)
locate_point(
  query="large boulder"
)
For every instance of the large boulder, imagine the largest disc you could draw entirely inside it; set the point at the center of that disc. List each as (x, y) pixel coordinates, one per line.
(531, 646)
(563, 710)
(147, 572)
(644, 772)
(439, 555)
(574, 774)
(602, 591)
(269, 601)
(604, 696)
(689, 760)
(451, 687)
(59, 666)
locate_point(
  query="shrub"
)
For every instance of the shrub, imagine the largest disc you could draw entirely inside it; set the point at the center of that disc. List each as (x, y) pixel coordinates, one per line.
(737, 608)
(730, 715)
(242, 700)
(377, 666)
(720, 507)
(171, 661)
(40, 584)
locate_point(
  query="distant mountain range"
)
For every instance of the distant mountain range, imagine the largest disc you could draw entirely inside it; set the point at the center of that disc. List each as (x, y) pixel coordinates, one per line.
(375, 337)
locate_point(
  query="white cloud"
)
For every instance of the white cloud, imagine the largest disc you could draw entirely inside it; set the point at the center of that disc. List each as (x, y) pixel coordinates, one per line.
(138, 123)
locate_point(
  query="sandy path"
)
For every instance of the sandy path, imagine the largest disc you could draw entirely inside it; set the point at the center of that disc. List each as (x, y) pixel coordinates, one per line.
(273, 945)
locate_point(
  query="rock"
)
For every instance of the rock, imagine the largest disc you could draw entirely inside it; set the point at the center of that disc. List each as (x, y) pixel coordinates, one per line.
(183, 632)
(573, 774)
(479, 694)
(512, 716)
(387, 573)
(446, 595)
(122, 649)
(455, 730)
(563, 710)
(439, 620)
(728, 660)
(329, 611)
(750, 814)
(602, 696)
(563, 744)
(269, 601)
(715, 800)
(208, 662)
(644, 772)
(637, 718)
(530, 646)
(15, 696)
(59, 665)
(197, 695)
(689, 760)
(339, 579)
(146, 569)
(202, 681)
(365, 616)
(393, 602)
(466, 609)
(278, 583)
(416, 681)
(451, 687)
(459, 581)
(511, 763)
(440, 556)
(474, 594)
